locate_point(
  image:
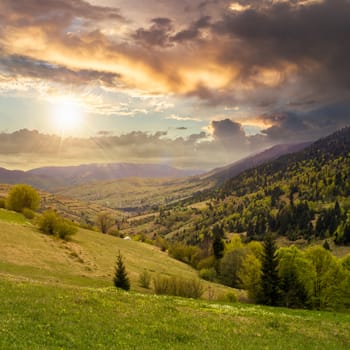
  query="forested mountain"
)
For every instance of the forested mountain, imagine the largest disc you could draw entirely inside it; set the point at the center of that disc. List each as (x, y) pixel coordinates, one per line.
(225, 173)
(301, 195)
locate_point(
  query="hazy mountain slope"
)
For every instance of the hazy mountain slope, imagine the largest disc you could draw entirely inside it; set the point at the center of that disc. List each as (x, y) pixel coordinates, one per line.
(39, 181)
(140, 195)
(98, 172)
(328, 154)
(49, 178)
(234, 169)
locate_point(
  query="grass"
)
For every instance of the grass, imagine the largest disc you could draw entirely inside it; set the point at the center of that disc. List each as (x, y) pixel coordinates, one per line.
(87, 260)
(58, 295)
(12, 217)
(37, 316)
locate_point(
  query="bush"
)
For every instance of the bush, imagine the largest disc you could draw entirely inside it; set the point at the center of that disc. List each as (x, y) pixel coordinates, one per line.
(177, 286)
(145, 279)
(208, 274)
(23, 196)
(2, 203)
(114, 232)
(187, 254)
(28, 213)
(53, 224)
(231, 297)
(206, 263)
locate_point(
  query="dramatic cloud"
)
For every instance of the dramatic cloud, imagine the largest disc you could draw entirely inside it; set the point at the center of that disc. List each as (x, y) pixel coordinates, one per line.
(178, 66)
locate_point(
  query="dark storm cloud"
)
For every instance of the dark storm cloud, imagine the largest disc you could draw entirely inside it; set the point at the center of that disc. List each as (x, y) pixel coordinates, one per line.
(290, 126)
(157, 34)
(193, 32)
(314, 37)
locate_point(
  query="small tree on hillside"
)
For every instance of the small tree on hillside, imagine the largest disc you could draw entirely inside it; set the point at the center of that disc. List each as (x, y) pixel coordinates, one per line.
(121, 279)
(104, 222)
(21, 197)
(269, 293)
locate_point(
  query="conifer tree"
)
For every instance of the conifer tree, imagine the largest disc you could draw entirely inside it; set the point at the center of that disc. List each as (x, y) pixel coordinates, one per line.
(121, 279)
(269, 293)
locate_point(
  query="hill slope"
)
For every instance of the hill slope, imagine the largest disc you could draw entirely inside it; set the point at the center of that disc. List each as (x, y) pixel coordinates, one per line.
(143, 194)
(37, 316)
(88, 260)
(301, 195)
(234, 169)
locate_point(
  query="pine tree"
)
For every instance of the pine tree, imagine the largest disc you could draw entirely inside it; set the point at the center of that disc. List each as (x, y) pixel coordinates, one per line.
(218, 243)
(269, 293)
(121, 279)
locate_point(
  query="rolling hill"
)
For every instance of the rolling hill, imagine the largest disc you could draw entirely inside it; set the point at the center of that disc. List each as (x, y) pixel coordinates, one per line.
(58, 294)
(87, 260)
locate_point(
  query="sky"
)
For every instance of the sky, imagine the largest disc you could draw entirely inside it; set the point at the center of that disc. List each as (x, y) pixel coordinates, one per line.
(192, 83)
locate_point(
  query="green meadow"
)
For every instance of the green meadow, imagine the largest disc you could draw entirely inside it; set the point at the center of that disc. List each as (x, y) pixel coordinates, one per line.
(59, 295)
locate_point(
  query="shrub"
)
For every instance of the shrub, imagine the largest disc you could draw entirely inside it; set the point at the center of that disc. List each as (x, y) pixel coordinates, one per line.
(206, 263)
(53, 224)
(104, 221)
(231, 297)
(145, 279)
(23, 196)
(28, 213)
(2, 203)
(208, 274)
(114, 232)
(178, 286)
(65, 229)
(187, 254)
(160, 285)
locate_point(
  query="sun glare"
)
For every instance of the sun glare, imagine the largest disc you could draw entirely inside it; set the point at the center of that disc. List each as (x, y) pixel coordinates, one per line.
(67, 115)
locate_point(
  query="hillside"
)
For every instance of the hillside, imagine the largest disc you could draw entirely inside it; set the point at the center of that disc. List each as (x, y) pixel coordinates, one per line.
(72, 209)
(225, 173)
(87, 260)
(37, 316)
(303, 195)
(139, 195)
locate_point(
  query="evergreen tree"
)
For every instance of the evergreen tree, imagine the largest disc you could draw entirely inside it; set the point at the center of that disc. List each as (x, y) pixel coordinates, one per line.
(218, 244)
(269, 293)
(121, 279)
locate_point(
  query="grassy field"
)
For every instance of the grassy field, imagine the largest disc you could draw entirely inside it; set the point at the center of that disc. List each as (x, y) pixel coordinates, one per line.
(87, 260)
(39, 316)
(59, 295)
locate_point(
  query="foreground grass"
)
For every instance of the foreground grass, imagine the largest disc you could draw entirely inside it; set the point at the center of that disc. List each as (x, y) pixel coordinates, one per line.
(35, 316)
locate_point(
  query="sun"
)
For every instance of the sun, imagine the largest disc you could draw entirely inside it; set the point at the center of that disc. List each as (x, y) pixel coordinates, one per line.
(67, 115)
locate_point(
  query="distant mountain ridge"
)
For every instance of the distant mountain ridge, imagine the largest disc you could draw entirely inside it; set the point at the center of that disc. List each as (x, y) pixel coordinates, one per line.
(48, 178)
